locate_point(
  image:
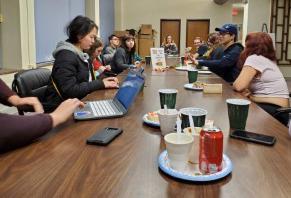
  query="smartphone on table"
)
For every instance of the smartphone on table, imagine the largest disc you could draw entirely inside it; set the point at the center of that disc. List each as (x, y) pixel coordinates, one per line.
(253, 137)
(104, 136)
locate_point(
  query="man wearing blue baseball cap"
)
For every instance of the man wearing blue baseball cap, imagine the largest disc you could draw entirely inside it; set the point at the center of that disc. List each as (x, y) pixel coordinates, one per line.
(225, 67)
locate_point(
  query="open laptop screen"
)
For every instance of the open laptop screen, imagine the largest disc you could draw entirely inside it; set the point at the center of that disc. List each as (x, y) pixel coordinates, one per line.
(129, 90)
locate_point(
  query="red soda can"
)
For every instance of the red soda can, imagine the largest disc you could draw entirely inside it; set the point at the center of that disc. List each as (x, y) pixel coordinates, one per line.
(211, 150)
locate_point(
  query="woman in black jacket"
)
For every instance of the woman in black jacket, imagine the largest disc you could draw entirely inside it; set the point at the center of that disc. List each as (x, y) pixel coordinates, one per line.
(72, 75)
(124, 56)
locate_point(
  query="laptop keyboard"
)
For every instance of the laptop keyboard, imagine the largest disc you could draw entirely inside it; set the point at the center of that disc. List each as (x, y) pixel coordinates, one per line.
(102, 108)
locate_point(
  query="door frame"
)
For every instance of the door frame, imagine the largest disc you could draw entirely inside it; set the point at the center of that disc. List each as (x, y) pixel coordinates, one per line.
(195, 20)
(161, 39)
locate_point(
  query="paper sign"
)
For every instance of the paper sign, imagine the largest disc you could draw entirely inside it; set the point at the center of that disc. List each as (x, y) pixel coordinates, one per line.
(158, 58)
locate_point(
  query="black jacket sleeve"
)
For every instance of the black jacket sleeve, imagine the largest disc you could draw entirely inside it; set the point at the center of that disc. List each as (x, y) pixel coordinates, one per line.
(71, 76)
(227, 60)
(19, 130)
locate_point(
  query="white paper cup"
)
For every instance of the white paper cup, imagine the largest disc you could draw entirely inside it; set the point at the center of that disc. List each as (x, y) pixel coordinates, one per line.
(167, 120)
(178, 146)
(194, 153)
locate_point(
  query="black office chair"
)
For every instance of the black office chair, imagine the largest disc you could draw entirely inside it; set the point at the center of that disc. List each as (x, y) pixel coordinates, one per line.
(32, 82)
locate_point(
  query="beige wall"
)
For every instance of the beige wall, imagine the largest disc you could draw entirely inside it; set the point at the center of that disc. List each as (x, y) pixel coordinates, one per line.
(17, 34)
(259, 12)
(10, 37)
(132, 13)
(92, 11)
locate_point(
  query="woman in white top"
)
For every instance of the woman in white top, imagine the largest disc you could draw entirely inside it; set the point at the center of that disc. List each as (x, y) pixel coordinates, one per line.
(260, 79)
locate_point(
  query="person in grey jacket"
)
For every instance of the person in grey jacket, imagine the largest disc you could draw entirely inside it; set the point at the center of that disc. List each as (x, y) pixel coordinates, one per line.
(72, 75)
(125, 57)
(110, 50)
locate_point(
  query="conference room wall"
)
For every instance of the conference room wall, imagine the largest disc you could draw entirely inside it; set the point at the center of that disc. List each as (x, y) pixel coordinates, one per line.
(132, 13)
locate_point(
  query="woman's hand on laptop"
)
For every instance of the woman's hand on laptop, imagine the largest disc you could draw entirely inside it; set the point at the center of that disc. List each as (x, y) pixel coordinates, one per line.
(65, 110)
(111, 82)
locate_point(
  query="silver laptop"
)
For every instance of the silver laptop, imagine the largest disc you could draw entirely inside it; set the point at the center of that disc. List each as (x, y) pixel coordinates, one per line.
(116, 107)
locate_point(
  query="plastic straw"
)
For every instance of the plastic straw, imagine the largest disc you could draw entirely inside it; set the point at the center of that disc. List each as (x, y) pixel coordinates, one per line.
(192, 127)
(179, 125)
(165, 109)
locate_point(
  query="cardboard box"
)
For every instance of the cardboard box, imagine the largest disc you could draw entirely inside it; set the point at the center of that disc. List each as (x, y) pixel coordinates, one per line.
(144, 46)
(146, 29)
(145, 36)
(120, 33)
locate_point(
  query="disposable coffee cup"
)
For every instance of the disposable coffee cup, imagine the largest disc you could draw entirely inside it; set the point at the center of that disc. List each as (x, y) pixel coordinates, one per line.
(182, 60)
(192, 75)
(148, 60)
(198, 115)
(194, 153)
(168, 97)
(238, 113)
(178, 147)
(167, 119)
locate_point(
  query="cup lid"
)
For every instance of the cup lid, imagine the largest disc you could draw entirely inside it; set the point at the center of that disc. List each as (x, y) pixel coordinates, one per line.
(178, 138)
(238, 101)
(168, 91)
(193, 111)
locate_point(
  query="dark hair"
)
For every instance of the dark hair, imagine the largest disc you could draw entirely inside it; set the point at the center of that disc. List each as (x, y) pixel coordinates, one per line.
(259, 43)
(235, 36)
(123, 43)
(94, 46)
(111, 37)
(213, 38)
(79, 27)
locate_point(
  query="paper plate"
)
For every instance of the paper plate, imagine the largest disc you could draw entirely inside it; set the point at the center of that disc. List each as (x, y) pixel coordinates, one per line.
(204, 72)
(190, 86)
(150, 122)
(183, 68)
(192, 173)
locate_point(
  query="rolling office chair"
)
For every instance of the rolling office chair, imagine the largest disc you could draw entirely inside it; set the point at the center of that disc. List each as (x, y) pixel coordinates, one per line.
(32, 82)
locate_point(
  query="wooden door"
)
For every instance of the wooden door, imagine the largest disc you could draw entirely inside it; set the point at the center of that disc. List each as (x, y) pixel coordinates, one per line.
(196, 28)
(170, 27)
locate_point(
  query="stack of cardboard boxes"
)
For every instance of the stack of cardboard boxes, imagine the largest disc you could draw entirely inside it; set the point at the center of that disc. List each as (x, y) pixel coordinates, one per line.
(145, 40)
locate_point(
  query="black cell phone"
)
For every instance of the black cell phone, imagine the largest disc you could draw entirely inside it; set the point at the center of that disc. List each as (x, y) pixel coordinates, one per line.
(104, 136)
(253, 137)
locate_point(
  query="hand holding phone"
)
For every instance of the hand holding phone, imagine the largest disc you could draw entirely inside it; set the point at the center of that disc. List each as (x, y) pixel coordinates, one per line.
(104, 136)
(253, 137)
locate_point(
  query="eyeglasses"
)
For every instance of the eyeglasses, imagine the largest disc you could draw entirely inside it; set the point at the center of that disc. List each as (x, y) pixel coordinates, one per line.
(116, 39)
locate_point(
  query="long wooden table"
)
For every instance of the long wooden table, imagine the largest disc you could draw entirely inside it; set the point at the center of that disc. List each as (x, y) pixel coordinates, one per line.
(62, 165)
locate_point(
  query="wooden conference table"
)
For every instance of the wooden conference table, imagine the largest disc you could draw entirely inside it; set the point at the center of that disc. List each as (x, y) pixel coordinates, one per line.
(62, 165)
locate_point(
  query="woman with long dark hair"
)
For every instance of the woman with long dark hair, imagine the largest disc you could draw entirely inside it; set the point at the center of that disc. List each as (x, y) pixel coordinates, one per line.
(124, 56)
(72, 75)
(260, 78)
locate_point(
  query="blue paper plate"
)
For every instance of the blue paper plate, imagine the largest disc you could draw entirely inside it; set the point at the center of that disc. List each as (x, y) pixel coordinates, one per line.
(193, 174)
(190, 87)
(150, 122)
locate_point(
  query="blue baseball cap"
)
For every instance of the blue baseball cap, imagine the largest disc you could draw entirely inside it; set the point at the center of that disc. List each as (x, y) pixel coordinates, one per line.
(230, 28)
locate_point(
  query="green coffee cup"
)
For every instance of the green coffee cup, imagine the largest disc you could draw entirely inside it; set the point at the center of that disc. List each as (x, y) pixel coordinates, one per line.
(192, 75)
(198, 115)
(237, 113)
(168, 97)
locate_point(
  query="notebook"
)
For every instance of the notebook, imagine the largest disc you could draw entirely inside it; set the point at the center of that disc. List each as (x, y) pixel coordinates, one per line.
(116, 107)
